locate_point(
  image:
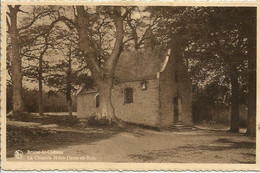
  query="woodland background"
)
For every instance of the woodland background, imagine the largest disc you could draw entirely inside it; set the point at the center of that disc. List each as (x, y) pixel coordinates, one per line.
(53, 51)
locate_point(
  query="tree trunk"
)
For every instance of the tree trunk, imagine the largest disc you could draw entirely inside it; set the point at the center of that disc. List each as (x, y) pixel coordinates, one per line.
(69, 85)
(40, 102)
(103, 76)
(40, 77)
(234, 122)
(70, 107)
(251, 119)
(106, 108)
(16, 69)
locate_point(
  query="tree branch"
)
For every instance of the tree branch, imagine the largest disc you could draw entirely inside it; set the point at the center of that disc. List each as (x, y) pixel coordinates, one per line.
(84, 41)
(110, 63)
(134, 32)
(35, 19)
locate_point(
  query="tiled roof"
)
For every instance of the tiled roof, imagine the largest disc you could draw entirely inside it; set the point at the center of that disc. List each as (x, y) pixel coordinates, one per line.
(135, 66)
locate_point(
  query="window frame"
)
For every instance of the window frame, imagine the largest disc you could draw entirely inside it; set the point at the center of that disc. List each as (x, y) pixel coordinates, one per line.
(97, 98)
(128, 95)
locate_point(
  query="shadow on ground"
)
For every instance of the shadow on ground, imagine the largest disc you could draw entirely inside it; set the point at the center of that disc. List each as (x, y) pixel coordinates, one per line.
(230, 145)
(196, 153)
(24, 138)
(130, 144)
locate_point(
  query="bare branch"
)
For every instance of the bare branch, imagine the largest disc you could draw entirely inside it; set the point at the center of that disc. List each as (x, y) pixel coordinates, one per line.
(74, 11)
(134, 32)
(85, 41)
(112, 60)
(35, 19)
(144, 36)
(128, 10)
(22, 11)
(68, 22)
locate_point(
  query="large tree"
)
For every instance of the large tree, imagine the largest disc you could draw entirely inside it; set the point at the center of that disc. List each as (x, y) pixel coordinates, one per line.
(34, 55)
(100, 33)
(103, 75)
(16, 72)
(71, 71)
(214, 41)
(15, 31)
(38, 42)
(250, 18)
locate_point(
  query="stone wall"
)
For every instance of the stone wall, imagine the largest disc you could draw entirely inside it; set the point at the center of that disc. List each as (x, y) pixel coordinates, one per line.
(153, 106)
(144, 109)
(185, 91)
(86, 104)
(167, 89)
(175, 82)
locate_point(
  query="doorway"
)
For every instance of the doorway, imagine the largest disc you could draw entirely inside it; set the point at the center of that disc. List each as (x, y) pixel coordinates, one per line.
(177, 101)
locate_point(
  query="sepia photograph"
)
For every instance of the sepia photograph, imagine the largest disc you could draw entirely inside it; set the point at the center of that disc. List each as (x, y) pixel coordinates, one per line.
(128, 84)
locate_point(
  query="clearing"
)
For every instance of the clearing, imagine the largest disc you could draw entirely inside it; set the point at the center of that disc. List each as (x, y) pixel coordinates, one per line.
(132, 144)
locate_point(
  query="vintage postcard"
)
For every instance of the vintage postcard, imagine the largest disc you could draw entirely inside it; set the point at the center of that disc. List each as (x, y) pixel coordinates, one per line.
(129, 86)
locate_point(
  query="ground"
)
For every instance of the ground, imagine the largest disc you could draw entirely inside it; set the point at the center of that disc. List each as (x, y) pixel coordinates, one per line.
(131, 144)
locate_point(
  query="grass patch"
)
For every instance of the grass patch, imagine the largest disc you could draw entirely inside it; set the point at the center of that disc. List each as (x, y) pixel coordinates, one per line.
(61, 120)
(24, 138)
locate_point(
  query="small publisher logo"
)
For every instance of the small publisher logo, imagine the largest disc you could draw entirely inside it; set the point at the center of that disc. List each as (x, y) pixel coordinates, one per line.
(18, 154)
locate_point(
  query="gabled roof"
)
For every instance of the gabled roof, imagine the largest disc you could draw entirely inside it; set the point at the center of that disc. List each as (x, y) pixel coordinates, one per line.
(136, 66)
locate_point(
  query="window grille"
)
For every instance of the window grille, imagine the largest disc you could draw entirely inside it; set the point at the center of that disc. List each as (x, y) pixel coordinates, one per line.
(129, 95)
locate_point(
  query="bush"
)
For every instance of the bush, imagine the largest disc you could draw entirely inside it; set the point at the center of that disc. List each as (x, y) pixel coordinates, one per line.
(61, 120)
(223, 118)
(95, 120)
(69, 121)
(19, 116)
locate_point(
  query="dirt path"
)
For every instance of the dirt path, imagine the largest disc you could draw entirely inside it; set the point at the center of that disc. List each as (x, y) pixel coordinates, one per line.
(186, 147)
(142, 145)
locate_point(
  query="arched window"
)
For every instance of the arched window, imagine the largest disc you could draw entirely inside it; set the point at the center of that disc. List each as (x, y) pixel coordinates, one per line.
(97, 101)
(129, 95)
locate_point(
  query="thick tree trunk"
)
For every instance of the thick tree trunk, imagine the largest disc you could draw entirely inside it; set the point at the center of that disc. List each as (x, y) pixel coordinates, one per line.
(106, 108)
(16, 69)
(40, 102)
(102, 75)
(105, 96)
(234, 122)
(251, 120)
